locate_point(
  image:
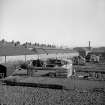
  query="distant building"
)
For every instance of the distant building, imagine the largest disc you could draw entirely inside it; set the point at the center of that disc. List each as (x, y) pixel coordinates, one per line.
(83, 51)
(99, 52)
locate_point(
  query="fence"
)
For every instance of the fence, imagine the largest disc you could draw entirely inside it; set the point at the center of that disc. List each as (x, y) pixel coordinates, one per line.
(5, 59)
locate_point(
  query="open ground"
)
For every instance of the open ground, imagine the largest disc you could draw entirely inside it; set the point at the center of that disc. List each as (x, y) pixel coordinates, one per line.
(78, 92)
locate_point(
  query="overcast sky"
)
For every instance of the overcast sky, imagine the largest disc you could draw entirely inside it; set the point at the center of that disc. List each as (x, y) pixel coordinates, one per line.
(60, 22)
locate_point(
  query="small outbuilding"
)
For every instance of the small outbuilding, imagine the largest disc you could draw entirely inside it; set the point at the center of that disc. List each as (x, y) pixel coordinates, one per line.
(3, 71)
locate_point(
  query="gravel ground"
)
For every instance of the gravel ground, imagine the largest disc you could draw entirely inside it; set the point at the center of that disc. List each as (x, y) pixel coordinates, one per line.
(18, 95)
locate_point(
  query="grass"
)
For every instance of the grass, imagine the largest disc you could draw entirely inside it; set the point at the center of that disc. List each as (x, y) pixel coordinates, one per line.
(55, 83)
(16, 95)
(23, 95)
(14, 50)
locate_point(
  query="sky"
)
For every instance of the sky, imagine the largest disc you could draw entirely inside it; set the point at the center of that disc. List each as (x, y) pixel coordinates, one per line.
(61, 22)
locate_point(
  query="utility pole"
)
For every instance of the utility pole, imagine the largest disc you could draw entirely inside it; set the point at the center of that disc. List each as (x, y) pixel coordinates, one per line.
(89, 45)
(5, 59)
(25, 52)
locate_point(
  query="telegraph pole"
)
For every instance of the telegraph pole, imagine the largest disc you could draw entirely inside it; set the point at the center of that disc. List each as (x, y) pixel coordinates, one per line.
(25, 52)
(89, 45)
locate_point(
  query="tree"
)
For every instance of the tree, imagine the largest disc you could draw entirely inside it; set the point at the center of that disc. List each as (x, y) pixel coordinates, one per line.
(3, 40)
(18, 43)
(12, 42)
